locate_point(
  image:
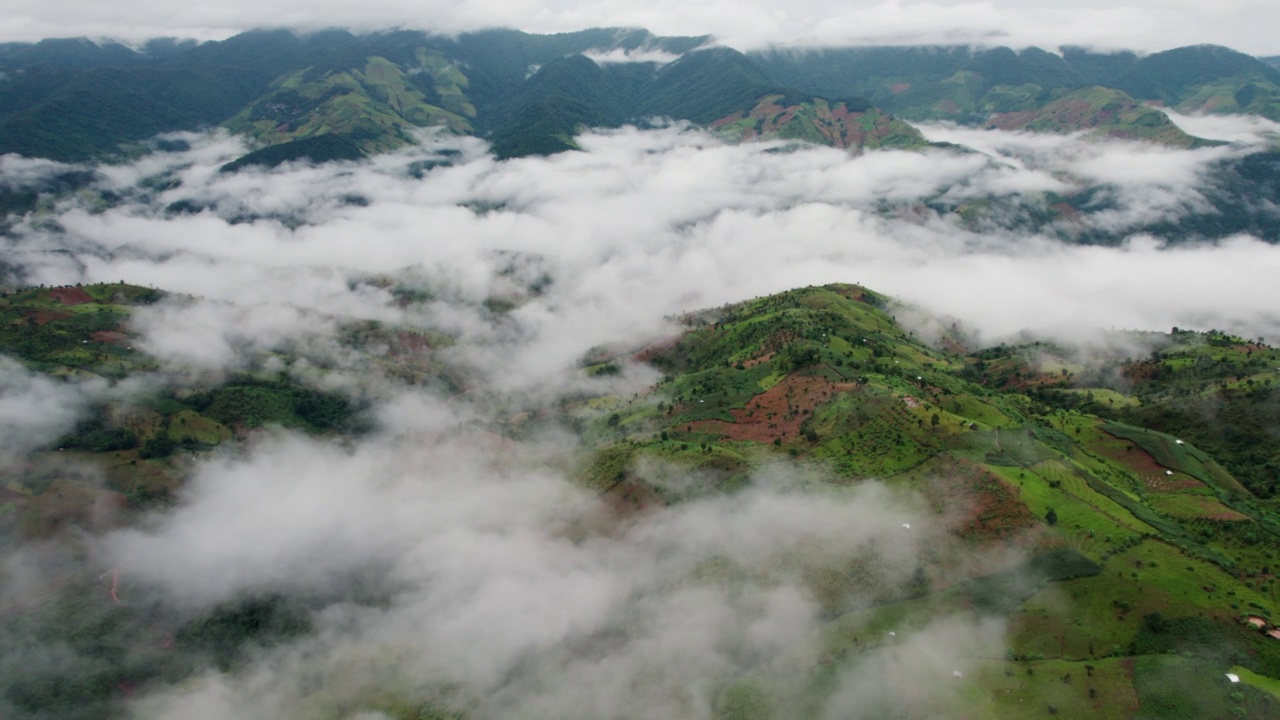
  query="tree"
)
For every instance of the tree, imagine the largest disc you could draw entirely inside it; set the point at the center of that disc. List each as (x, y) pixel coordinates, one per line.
(935, 419)
(1051, 517)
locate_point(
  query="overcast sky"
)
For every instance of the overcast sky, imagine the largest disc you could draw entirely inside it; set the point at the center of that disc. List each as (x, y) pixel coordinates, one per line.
(1246, 25)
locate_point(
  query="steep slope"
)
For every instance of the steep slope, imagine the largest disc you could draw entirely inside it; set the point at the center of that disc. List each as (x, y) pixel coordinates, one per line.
(1205, 78)
(376, 104)
(1101, 110)
(76, 100)
(78, 113)
(967, 85)
(1143, 544)
(541, 115)
(846, 125)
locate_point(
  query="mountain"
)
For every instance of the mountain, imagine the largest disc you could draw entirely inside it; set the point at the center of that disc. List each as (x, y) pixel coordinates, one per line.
(1150, 548)
(1101, 110)
(846, 125)
(76, 100)
(275, 87)
(1125, 504)
(1205, 78)
(966, 85)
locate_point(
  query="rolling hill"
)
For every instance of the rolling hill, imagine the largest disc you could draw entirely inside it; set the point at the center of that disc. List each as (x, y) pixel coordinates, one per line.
(1131, 541)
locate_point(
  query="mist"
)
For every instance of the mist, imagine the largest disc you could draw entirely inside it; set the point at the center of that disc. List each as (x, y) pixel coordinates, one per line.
(439, 566)
(1136, 24)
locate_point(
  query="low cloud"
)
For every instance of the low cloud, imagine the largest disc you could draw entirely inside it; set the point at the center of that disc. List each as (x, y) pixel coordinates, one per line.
(591, 247)
(501, 589)
(619, 55)
(34, 410)
(1136, 24)
(486, 580)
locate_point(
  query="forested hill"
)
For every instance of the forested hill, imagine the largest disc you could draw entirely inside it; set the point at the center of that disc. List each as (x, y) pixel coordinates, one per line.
(335, 95)
(75, 100)
(968, 85)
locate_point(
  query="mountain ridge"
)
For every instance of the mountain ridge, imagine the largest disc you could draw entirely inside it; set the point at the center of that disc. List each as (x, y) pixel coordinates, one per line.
(277, 87)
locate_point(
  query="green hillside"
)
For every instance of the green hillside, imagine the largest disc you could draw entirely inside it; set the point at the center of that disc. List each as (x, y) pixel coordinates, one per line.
(82, 333)
(1131, 538)
(842, 125)
(375, 105)
(1147, 552)
(531, 94)
(967, 85)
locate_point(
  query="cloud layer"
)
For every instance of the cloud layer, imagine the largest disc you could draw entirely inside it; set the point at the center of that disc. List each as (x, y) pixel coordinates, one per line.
(440, 564)
(1136, 24)
(597, 246)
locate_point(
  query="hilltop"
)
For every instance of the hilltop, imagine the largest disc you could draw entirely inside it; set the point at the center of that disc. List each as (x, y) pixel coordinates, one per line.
(1150, 527)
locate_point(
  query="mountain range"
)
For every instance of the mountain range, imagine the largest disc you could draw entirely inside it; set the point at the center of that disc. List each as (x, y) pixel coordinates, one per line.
(338, 96)
(74, 100)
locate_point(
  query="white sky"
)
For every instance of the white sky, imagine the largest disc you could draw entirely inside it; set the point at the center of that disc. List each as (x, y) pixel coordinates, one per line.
(1247, 25)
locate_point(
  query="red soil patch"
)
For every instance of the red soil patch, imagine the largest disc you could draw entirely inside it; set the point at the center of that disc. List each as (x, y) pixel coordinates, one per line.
(776, 412)
(47, 316)
(856, 293)
(630, 498)
(413, 344)
(69, 504)
(981, 506)
(790, 113)
(726, 120)
(767, 112)
(896, 88)
(1256, 622)
(1145, 466)
(648, 353)
(1073, 113)
(70, 295)
(758, 360)
(1066, 212)
(1141, 371)
(109, 336)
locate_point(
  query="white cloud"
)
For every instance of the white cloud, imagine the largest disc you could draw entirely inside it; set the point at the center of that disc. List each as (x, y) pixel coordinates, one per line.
(1137, 24)
(495, 576)
(619, 55)
(639, 226)
(35, 409)
(503, 584)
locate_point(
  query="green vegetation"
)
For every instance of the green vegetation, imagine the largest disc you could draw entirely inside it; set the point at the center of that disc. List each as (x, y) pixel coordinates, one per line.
(968, 85)
(1106, 112)
(1142, 552)
(1125, 559)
